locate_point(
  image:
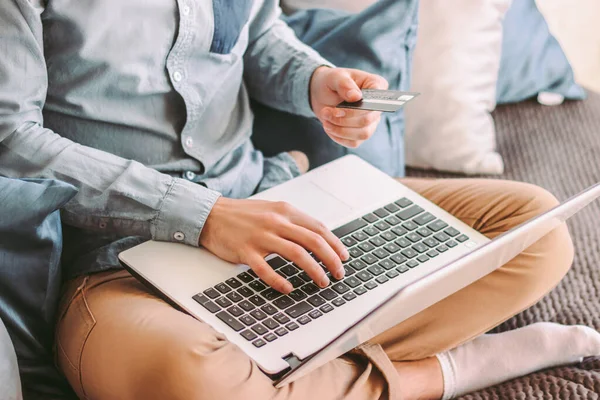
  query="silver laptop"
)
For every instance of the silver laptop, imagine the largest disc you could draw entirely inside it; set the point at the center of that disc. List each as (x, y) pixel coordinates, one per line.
(398, 240)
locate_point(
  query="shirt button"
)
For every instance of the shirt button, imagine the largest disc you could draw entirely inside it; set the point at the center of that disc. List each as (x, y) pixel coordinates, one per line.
(189, 142)
(177, 76)
(186, 10)
(190, 175)
(179, 236)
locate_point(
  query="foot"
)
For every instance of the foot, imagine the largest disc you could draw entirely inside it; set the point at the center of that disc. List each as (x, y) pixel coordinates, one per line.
(301, 160)
(491, 359)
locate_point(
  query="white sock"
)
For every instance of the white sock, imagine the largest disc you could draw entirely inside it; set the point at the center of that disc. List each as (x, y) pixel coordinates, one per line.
(491, 359)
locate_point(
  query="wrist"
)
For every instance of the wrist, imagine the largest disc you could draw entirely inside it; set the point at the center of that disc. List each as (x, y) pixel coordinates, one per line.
(315, 80)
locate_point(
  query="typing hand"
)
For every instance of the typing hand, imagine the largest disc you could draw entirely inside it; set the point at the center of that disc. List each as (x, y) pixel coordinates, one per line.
(331, 86)
(245, 231)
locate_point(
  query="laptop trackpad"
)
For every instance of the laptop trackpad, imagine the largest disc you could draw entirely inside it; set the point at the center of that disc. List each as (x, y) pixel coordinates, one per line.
(322, 205)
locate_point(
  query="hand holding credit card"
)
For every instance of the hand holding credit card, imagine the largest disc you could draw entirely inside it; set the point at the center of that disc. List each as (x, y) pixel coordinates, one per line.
(380, 100)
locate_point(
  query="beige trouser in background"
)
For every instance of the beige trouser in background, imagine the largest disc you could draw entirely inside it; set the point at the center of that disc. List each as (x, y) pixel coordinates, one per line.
(116, 340)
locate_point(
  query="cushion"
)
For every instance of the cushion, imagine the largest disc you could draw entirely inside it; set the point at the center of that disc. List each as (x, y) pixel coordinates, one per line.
(536, 64)
(456, 64)
(30, 248)
(361, 41)
(10, 385)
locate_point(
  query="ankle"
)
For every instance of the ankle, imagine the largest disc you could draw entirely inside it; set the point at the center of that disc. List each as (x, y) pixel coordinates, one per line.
(421, 379)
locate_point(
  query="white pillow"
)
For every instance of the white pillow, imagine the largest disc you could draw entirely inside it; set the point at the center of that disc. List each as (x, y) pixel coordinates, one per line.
(455, 67)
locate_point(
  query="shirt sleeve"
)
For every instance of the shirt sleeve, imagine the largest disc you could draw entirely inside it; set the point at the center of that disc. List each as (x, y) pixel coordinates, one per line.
(115, 195)
(278, 66)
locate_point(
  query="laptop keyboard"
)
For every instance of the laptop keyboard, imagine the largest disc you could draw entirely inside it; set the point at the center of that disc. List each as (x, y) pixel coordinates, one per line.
(383, 245)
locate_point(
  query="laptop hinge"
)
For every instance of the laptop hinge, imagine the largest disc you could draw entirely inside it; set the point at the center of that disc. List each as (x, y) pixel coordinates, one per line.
(292, 360)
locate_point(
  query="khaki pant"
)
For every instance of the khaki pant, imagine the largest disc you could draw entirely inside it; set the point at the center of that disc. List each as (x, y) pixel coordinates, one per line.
(116, 340)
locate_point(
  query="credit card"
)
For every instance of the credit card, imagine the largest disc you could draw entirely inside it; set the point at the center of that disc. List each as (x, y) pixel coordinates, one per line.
(380, 100)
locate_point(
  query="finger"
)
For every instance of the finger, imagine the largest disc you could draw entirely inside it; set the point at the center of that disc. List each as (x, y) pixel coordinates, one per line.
(351, 144)
(367, 80)
(351, 119)
(361, 134)
(266, 273)
(300, 257)
(342, 83)
(334, 243)
(316, 243)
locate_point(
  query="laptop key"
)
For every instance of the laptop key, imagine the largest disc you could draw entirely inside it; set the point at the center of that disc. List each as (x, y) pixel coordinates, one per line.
(358, 265)
(348, 270)
(398, 259)
(376, 270)
(391, 274)
(350, 227)
(247, 320)
(245, 277)
(304, 320)
(270, 323)
(377, 241)
(352, 282)
(402, 269)
(259, 343)
(270, 337)
(314, 314)
(441, 237)
(338, 302)
(399, 231)
(420, 247)
(292, 326)
(304, 276)
(387, 264)
(424, 219)
(403, 202)
(431, 242)
(281, 318)
(326, 308)
(235, 311)
(277, 262)
(349, 241)
(269, 309)
(437, 225)
(360, 290)
(298, 295)
(298, 309)
(296, 282)
(392, 208)
(409, 212)
(316, 300)
(360, 236)
(289, 270)
(403, 242)
(258, 314)
(340, 288)
(230, 321)
(382, 279)
(210, 306)
(432, 253)
(381, 253)
(233, 283)
(244, 291)
(371, 231)
(409, 253)
(369, 259)
(392, 247)
(370, 218)
(283, 302)
(200, 298)
(349, 296)
(248, 335)
(413, 237)
(441, 248)
(382, 226)
(370, 285)
(424, 232)
(355, 252)
(246, 305)
(451, 243)
(310, 289)
(392, 220)
(270, 294)
(212, 293)
(223, 302)
(366, 247)
(412, 264)
(281, 331)
(257, 286)
(462, 238)
(364, 276)
(328, 294)
(257, 300)
(388, 236)
(381, 212)
(252, 273)
(451, 231)
(260, 329)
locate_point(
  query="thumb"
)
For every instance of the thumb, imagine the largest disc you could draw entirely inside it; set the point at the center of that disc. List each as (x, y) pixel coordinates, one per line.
(345, 87)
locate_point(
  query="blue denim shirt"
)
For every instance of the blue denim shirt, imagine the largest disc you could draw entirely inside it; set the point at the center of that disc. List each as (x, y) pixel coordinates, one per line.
(135, 102)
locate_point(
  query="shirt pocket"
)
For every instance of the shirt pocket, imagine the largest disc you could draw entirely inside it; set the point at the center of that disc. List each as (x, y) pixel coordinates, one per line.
(230, 18)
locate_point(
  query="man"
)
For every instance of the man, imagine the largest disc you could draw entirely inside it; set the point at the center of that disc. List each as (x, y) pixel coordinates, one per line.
(143, 105)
